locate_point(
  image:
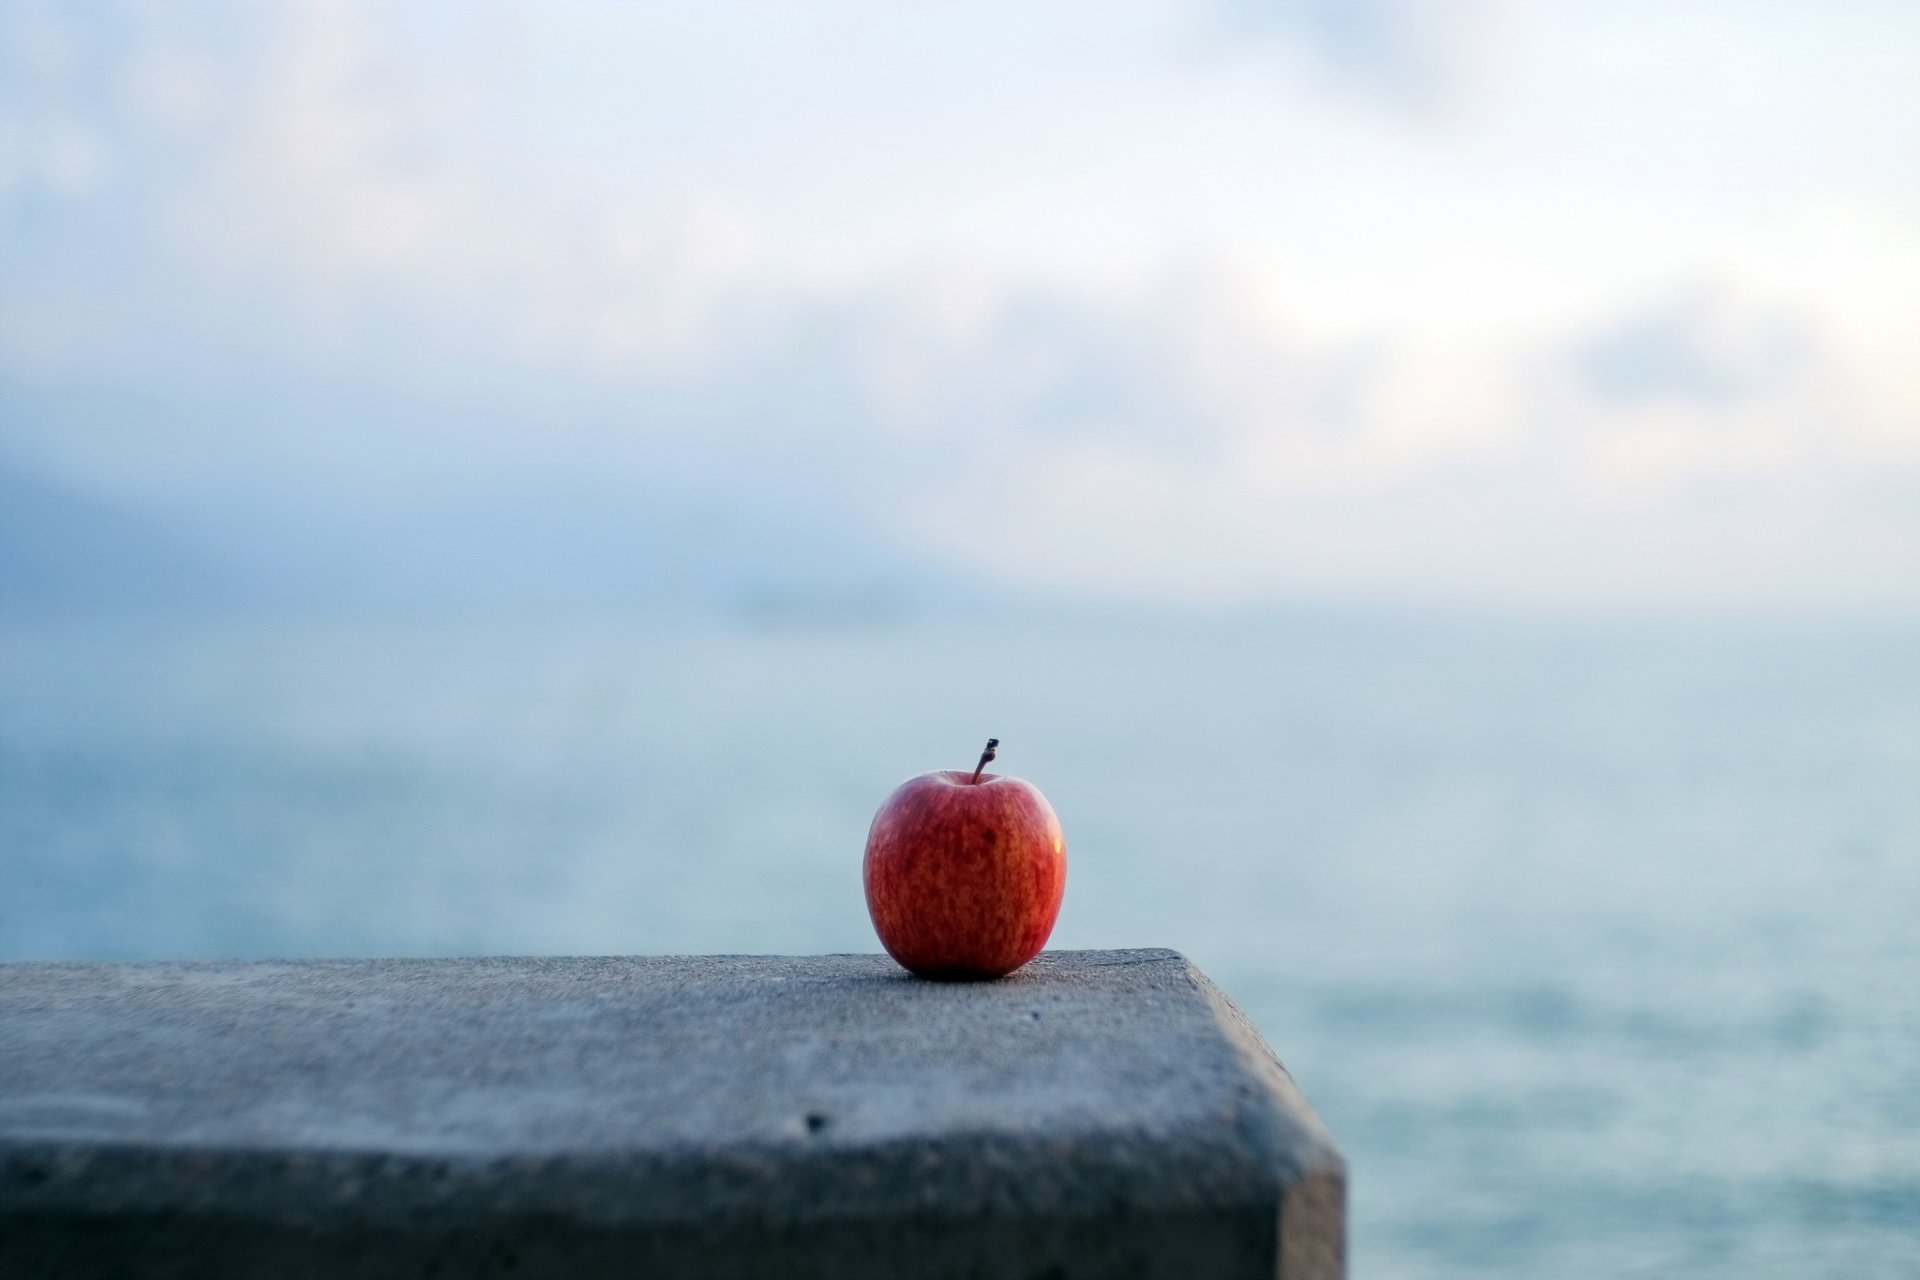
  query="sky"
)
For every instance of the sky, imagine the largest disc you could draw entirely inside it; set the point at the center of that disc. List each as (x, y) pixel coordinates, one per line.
(1583, 306)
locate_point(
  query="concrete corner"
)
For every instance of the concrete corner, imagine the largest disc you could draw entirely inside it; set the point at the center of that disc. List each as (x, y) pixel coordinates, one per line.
(1098, 1114)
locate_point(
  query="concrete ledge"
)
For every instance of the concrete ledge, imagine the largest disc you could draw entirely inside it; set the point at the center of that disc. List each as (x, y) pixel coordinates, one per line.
(1100, 1113)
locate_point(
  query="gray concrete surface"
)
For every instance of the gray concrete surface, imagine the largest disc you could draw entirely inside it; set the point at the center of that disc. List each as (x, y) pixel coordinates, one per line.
(1100, 1113)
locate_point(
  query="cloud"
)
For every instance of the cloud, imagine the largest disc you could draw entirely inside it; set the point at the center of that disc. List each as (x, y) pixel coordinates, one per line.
(1421, 55)
(1690, 449)
(1693, 349)
(47, 149)
(336, 271)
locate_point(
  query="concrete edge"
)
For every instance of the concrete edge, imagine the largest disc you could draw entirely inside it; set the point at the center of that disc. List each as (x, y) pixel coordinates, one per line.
(1308, 1146)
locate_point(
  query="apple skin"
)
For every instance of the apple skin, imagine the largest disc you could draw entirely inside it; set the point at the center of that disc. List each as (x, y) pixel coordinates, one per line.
(964, 878)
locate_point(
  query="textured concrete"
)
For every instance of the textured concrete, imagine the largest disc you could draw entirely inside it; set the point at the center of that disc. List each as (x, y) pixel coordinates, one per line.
(1103, 1113)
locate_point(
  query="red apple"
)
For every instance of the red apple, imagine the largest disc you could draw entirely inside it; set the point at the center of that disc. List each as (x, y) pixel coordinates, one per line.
(965, 872)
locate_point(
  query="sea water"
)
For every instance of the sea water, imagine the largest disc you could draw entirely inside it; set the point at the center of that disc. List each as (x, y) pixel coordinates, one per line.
(1596, 945)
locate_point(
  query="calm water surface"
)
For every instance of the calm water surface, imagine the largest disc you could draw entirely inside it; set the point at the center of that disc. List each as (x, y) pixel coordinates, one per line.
(1598, 948)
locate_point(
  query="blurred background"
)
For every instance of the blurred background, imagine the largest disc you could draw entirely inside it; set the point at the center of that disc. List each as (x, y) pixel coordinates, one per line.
(1431, 491)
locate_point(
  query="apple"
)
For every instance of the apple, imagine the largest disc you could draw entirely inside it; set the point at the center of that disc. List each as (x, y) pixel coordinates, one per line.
(965, 872)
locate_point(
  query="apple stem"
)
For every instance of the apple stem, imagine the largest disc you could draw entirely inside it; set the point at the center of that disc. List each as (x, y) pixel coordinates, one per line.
(986, 758)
